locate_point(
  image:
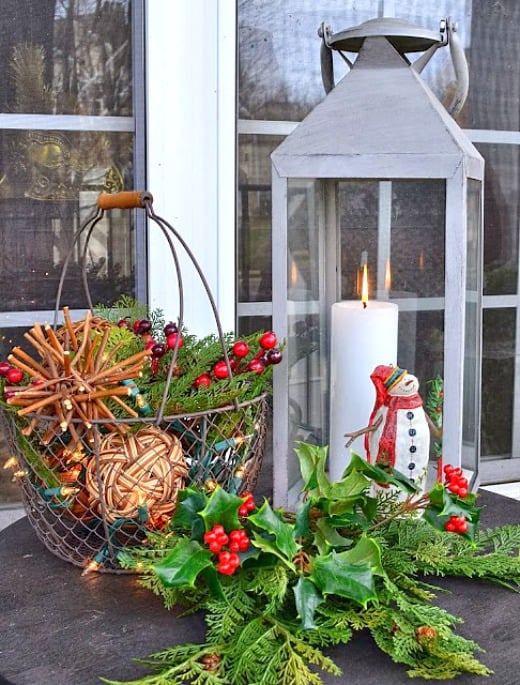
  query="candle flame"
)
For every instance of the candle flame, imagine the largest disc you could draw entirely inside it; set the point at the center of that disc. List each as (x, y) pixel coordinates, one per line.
(421, 260)
(364, 286)
(388, 276)
(294, 274)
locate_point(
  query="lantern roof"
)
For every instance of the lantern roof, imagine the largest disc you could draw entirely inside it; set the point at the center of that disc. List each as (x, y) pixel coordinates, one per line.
(380, 121)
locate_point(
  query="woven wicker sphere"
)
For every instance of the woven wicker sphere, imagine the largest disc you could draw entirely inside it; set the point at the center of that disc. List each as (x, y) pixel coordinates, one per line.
(138, 477)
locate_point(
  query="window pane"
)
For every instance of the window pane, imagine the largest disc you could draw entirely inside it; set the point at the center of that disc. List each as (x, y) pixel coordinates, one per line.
(254, 217)
(279, 49)
(50, 184)
(501, 217)
(68, 57)
(498, 381)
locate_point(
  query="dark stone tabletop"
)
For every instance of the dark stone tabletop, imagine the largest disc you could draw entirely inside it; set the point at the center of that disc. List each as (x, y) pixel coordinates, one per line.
(60, 627)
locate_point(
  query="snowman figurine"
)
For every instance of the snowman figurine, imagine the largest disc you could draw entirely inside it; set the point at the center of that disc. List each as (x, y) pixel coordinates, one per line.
(398, 432)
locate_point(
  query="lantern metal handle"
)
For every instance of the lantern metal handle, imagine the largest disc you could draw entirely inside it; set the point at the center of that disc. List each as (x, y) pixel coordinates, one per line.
(352, 39)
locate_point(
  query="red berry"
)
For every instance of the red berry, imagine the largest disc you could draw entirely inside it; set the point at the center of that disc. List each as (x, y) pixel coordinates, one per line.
(158, 349)
(218, 528)
(256, 366)
(463, 527)
(202, 381)
(268, 340)
(14, 376)
(4, 368)
(123, 323)
(209, 536)
(221, 370)
(234, 559)
(243, 510)
(170, 328)
(215, 547)
(143, 326)
(240, 349)
(274, 356)
(226, 569)
(171, 341)
(463, 492)
(234, 546)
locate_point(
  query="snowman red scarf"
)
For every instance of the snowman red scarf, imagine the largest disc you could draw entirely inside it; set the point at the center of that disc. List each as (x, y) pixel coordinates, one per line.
(386, 445)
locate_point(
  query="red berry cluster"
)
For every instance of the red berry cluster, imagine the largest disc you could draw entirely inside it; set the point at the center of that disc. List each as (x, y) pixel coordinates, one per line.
(143, 328)
(236, 541)
(248, 504)
(267, 355)
(455, 481)
(11, 373)
(456, 524)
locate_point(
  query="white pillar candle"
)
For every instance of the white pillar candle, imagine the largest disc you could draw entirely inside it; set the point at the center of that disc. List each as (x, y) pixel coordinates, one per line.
(361, 339)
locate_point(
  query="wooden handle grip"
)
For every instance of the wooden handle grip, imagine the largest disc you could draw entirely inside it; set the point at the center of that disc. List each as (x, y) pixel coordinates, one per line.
(128, 199)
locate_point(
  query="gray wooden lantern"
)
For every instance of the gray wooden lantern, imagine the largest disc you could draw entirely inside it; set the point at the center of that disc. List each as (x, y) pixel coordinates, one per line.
(378, 174)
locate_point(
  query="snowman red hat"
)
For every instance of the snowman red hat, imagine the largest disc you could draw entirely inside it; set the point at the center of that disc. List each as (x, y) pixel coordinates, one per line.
(384, 379)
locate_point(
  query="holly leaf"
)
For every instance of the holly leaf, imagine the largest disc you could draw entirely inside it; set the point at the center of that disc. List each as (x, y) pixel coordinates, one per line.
(350, 487)
(379, 475)
(222, 507)
(302, 522)
(269, 545)
(307, 599)
(334, 574)
(268, 520)
(183, 564)
(189, 503)
(330, 536)
(366, 551)
(312, 467)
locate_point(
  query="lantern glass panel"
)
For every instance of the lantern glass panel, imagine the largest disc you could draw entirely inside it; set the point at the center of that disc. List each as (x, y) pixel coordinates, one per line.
(307, 343)
(472, 328)
(397, 228)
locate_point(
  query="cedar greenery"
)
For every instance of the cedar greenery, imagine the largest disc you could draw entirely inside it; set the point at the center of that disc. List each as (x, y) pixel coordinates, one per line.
(345, 561)
(196, 356)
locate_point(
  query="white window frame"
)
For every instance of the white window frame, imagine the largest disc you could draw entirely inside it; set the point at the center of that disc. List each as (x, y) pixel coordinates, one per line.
(191, 133)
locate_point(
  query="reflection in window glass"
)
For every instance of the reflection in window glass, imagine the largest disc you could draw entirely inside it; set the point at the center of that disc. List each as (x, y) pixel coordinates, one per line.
(279, 49)
(67, 57)
(42, 204)
(254, 218)
(498, 381)
(397, 229)
(501, 217)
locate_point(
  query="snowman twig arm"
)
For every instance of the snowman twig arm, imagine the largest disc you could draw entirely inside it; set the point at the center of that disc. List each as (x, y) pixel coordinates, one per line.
(436, 430)
(367, 429)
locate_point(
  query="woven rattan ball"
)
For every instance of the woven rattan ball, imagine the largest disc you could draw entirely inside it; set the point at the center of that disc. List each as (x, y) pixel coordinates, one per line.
(136, 476)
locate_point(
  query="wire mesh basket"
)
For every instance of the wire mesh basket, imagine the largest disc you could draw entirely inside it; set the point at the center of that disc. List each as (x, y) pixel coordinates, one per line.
(99, 466)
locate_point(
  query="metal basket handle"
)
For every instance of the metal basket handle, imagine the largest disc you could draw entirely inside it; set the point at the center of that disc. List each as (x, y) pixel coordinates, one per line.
(142, 200)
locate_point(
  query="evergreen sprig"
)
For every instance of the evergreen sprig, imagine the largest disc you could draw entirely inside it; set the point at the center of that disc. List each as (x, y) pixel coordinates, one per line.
(342, 563)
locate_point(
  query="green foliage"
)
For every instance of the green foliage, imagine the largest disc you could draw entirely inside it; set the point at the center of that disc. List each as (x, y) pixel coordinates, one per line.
(174, 377)
(345, 561)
